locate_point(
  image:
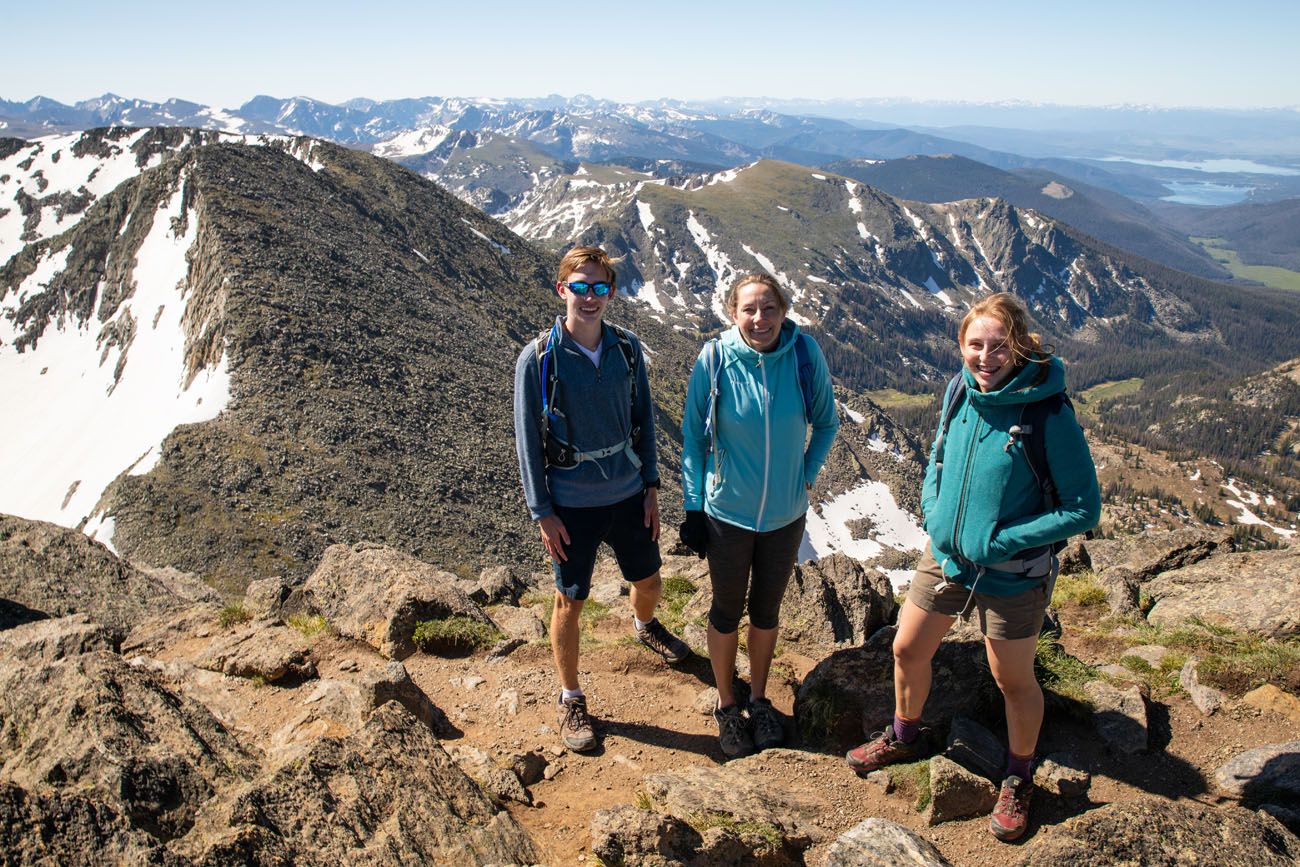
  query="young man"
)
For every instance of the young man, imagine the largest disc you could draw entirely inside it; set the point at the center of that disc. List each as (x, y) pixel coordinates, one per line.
(585, 436)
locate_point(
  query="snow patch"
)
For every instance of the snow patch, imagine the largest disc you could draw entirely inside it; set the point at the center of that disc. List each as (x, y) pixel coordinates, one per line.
(827, 528)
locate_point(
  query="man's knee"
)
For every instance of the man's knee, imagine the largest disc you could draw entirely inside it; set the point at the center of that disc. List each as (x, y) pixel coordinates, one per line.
(567, 607)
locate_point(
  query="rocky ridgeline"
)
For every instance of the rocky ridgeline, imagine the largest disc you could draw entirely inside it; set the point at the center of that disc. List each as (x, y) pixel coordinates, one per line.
(123, 738)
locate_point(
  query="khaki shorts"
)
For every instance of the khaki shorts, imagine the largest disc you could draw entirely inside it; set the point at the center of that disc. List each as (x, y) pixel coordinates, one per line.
(999, 617)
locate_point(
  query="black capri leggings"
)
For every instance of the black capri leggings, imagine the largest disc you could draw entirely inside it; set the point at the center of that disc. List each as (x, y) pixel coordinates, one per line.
(734, 553)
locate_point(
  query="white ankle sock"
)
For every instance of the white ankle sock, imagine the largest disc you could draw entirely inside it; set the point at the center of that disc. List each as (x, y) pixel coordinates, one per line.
(566, 694)
(640, 624)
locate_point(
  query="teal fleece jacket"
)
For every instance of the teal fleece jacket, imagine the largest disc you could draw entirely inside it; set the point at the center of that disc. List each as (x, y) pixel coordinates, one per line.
(757, 479)
(987, 506)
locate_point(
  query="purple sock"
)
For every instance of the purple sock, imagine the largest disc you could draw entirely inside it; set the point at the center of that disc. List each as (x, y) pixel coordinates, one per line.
(906, 730)
(1019, 766)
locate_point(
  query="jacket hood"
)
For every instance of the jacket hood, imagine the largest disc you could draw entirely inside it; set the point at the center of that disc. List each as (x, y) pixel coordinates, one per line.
(739, 349)
(1021, 388)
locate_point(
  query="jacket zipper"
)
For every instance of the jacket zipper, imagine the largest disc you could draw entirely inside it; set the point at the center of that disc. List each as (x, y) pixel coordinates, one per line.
(965, 482)
(767, 446)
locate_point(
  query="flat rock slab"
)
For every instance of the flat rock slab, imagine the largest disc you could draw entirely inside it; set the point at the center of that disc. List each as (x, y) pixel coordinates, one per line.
(388, 794)
(956, 793)
(734, 790)
(1146, 555)
(1262, 774)
(519, 622)
(260, 650)
(57, 637)
(1172, 833)
(376, 594)
(1151, 654)
(1119, 715)
(881, 843)
(1254, 591)
(348, 702)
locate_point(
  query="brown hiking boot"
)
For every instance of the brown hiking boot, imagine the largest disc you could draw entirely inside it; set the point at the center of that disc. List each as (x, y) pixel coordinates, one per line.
(654, 636)
(885, 748)
(1011, 815)
(575, 724)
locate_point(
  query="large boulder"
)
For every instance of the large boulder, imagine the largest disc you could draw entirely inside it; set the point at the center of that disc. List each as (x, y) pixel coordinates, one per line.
(881, 843)
(388, 794)
(56, 571)
(348, 700)
(1165, 832)
(1264, 773)
(1253, 591)
(836, 600)
(376, 594)
(93, 723)
(633, 837)
(851, 691)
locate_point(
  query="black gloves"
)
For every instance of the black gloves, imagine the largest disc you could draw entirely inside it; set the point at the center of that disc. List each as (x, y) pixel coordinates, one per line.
(694, 532)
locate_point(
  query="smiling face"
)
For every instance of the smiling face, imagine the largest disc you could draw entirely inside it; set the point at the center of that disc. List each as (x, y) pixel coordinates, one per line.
(986, 354)
(584, 308)
(758, 314)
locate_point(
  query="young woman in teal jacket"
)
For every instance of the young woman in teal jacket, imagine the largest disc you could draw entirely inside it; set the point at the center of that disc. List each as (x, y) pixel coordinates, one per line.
(746, 473)
(992, 525)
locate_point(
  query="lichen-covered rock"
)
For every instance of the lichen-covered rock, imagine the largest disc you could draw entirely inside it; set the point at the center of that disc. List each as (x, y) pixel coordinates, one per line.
(385, 795)
(881, 843)
(1270, 699)
(377, 594)
(1146, 555)
(501, 783)
(1172, 833)
(1252, 591)
(626, 835)
(264, 598)
(51, 826)
(1059, 774)
(835, 600)
(349, 702)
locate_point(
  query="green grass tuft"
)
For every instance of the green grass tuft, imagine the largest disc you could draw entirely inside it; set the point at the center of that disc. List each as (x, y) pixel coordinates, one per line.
(456, 634)
(913, 779)
(747, 829)
(1082, 589)
(818, 711)
(233, 614)
(310, 626)
(1061, 672)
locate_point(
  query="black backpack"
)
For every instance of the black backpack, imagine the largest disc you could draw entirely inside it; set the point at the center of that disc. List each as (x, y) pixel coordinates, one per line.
(1031, 430)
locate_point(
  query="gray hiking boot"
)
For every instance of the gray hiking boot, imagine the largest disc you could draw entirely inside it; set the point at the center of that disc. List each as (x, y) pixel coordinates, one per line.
(733, 732)
(654, 636)
(766, 723)
(575, 724)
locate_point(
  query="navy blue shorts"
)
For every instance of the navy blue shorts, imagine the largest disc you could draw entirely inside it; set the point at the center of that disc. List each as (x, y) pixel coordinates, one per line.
(622, 527)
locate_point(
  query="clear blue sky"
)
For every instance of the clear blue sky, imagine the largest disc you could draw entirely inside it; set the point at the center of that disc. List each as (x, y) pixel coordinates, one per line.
(1238, 54)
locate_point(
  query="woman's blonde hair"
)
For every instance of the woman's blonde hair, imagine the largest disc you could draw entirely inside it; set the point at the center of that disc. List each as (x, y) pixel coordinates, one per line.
(1010, 311)
(763, 279)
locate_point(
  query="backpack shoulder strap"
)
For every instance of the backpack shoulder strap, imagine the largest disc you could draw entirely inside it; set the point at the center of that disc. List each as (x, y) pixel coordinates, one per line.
(713, 365)
(806, 370)
(546, 372)
(629, 354)
(1035, 422)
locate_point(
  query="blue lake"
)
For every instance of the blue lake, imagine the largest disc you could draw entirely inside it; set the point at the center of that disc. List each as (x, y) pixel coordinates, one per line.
(1218, 166)
(1204, 193)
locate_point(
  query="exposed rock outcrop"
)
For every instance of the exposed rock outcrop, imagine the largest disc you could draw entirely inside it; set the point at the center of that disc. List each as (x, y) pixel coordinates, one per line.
(835, 600)
(376, 594)
(55, 638)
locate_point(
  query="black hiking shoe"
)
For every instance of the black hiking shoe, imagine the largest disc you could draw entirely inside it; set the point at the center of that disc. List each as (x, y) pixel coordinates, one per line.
(654, 636)
(733, 732)
(766, 724)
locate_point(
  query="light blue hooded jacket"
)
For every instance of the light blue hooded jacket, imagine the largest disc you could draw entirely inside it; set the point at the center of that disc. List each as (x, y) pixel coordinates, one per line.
(757, 479)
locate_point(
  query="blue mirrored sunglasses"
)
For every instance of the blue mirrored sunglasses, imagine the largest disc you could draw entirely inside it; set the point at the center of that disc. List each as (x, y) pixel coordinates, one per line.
(580, 288)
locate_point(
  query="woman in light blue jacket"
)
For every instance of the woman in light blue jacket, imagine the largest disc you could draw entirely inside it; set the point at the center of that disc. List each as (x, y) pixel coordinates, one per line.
(746, 473)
